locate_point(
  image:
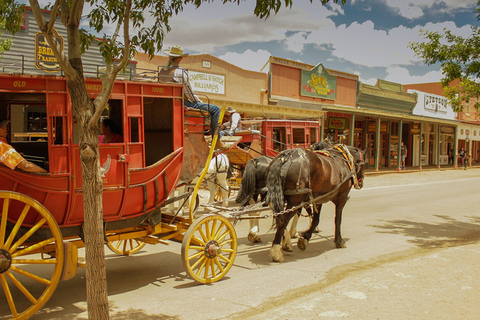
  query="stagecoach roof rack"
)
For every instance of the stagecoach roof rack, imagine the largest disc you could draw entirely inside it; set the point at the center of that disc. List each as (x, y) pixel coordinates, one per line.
(17, 64)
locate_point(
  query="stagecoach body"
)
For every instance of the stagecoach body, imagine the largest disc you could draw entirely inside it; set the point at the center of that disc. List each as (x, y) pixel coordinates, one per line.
(138, 174)
(41, 215)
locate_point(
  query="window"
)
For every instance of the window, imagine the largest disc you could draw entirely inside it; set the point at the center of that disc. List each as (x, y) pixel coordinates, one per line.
(298, 135)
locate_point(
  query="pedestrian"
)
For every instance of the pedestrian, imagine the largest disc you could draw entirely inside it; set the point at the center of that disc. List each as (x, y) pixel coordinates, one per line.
(10, 158)
(462, 154)
(174, 73)
(403, 154)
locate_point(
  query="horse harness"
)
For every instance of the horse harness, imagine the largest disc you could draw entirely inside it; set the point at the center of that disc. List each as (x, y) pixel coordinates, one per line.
(344, 154)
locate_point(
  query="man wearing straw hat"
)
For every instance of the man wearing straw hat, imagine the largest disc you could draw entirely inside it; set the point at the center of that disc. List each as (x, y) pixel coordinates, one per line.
(173, 72)
(9, 157)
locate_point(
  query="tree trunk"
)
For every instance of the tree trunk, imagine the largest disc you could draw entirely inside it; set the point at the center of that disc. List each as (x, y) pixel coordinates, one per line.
(97, 295)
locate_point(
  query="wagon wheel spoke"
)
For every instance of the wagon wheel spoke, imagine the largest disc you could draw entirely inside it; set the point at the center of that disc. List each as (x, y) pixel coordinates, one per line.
(209, 248)
(126, 247)
(27, 278)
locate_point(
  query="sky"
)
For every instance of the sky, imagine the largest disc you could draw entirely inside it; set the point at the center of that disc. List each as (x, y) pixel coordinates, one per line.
(368, 38)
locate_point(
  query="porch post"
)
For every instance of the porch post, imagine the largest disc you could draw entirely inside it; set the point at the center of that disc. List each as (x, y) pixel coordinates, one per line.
(321, 127)
(421, 147)
(377, 144)
(439, 146)
(399, 150)
(352, 130)
(455, 148)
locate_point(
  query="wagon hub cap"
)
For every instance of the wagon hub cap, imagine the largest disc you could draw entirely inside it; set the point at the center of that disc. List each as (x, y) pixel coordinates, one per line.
(212, 249)
(5, 260)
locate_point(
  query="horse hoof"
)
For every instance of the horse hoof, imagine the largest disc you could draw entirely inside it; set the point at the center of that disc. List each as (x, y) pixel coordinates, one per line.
(302, 244)
(254, 238)
(340, 245)
(276, 254)
(287, 248)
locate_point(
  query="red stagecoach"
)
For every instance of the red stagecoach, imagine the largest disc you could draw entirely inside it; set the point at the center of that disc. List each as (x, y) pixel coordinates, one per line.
(41, 215)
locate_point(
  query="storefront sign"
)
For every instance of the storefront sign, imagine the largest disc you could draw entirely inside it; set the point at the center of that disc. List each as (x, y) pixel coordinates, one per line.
(447, 130)
(318, 83)
(207, 82)
(44, 58)
(337, 123)
(415, 129)
(435, 103)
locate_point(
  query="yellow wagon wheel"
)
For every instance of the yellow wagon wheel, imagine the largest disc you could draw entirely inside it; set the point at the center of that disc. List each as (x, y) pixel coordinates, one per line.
(28, 277)
(209, 248)
(218, 194)
(126, 247)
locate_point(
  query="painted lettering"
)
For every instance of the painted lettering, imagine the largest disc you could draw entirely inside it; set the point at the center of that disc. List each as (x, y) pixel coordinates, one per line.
(19, 84)
(158, 90)
(94, 87)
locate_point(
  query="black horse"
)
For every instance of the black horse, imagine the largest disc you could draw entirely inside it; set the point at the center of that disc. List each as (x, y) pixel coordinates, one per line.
(302, 177)
(253, 189)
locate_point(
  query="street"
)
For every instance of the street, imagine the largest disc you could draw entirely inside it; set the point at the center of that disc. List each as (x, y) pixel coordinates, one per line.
(413, 252)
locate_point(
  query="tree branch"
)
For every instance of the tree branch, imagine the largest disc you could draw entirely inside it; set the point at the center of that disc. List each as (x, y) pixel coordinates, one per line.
(108, 79)
(46, 29)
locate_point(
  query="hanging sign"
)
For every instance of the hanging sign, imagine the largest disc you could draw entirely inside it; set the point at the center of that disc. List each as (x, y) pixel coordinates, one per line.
(318, 83)
(44, 58)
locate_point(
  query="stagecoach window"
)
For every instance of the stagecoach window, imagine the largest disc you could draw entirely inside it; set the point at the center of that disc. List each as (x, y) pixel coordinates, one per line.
(158, 126)
(298, 135)
(313, 135)
(28, 131)
(279, 139)
(134, 132)
(57, 130)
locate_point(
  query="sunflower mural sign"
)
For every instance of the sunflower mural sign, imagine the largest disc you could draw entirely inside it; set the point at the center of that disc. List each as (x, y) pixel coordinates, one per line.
(318, 83)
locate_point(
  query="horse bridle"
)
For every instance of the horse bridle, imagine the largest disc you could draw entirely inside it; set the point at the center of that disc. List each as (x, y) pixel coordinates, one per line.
(354, 166)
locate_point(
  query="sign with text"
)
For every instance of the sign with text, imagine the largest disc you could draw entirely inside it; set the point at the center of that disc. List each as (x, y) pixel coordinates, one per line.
(318, 83)
(207, 82)
(337, 123)
(44, 57)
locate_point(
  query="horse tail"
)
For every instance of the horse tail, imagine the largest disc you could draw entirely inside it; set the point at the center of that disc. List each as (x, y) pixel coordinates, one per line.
(274, 185)
(247, 186)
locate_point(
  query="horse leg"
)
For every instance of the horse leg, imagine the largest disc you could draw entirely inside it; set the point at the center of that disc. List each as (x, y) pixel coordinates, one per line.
(222, 182)
(293, 226)
(305, 237)
(211, 187)
(254, 227)
(339, 242)
(281, 222)
(287, 240)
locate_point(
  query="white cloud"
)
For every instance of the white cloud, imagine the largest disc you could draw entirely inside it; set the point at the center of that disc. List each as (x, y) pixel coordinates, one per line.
(412, 9)
(403, 76)
(296, 42)
(216, 24)
(249, 60)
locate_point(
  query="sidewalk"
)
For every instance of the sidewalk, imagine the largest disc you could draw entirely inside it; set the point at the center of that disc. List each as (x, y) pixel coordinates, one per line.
(385, 170)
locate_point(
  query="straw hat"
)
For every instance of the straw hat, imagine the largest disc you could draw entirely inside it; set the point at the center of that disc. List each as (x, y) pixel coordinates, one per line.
(231, 110)
(175, 51)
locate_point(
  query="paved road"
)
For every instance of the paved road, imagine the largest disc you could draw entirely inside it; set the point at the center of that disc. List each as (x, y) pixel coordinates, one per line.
(413, 253)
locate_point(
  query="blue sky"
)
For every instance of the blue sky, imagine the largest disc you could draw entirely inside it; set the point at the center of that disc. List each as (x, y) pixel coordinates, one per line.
(364, 37)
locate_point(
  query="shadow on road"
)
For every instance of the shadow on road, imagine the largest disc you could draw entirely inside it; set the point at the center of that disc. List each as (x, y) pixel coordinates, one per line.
(448, 233)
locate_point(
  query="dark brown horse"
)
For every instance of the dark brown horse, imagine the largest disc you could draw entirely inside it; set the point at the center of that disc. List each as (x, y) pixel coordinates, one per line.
(301, 178)
(253, 187)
